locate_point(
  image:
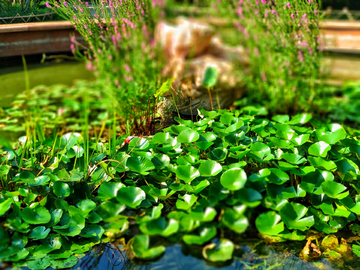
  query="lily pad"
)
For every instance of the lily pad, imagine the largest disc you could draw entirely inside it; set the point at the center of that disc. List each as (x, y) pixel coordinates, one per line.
(140, 246)
(220, 252)
(160, 226)
(233, 179)
(131, 196)
(209, 168)
(269, 223)
(37, 215)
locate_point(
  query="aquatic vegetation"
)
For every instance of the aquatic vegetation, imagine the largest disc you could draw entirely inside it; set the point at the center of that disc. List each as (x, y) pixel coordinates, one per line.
(226, 171)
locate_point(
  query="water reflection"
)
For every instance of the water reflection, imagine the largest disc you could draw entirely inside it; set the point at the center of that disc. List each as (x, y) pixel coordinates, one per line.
(284, 256)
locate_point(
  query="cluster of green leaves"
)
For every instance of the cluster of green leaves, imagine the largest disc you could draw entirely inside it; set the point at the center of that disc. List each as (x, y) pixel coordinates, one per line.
(225, 171)
(23, 8)
(58, 107)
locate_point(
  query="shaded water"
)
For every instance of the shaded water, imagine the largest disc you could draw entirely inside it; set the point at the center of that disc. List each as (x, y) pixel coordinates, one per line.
(12, 80)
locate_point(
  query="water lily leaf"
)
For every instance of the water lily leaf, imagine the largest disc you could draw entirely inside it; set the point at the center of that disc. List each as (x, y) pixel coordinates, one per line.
(218, 154)
(37, 215)
(209, 168)
(220, 252)
(92, 230)
(187, 173)
(293, 214)
(160, 161)
(161, 137)
(235, 221)
(131, 196)
(188, 136)
(64, 263)
(203, 214)
(260, 176)
(319, 149)
(185, 202)
(210, 77)
(52, 242)
(322, 164)
(61, 189)
(250, 197)
(39, 232)
(281, 118)
(109, 190)
(140, 246)
(55, 217)
(334, 190)
(259, 150)
(160, 226)
(41, 263)
(277, 177)
(293, 158)
(22, 254)
(40, 181)
(152, 214)
(300, 119)
(27, 177)
(269, 223)
(336, 134)
(5, 206)
(233, 179)
(205, 234)
(140, 164)
(348, 169)
(300, 140)
(109, 209)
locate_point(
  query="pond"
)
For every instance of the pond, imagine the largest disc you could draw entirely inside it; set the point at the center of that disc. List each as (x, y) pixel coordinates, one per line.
(13, 78)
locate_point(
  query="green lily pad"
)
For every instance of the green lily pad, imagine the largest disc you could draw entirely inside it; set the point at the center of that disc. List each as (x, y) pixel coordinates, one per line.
(319, 149)
(269, 223)
(187, 173)
(235, 221)
(334, 190)
(40, 180)
(293, 215)
(160, 226)
(140, 246)
(209, 168)
(140, 164)
(188, 136)
(322, 164)
(39, 232)
(233, 179)
(109, 209)
(220, 252)
(186, 202)
(37, 215)
(5, 206)
(205, 234)
(218, 154)
(61, 189)
(109, 190)
(131, 196)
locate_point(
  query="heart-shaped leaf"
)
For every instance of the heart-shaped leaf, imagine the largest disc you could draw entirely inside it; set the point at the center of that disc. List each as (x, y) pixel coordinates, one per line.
(293, 215)
(140, 246)
(109, 190)
(140, 164)
(209, 168)
(220, 252)
(334, 190)
(187, 173)
(188, 136)
(160, 226)
(205, 234)
(37, 215)
(319, 149)
(269, 223)
(131, 196)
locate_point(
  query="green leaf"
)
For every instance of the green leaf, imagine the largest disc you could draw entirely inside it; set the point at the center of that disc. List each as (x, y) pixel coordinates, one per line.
(40, 180)
(160, 161)
(300, 140)
(64, 263)
(37, 215)
(336, 134)
(188, 136)
(209, 168)
(322, 164)
(259, 151)
(334, 190)
(220, 252)
(185, 202)
(61, 189)
(140, 246)
(187, 173)
(109, 190)
(5, 206)
(277, 177)
(165, 87)
(293, 215)
(300, 119)
(319, 149)
(235, 220)
(39, 232)
(140, 164)
(269, 223)
(210, 77)
(218, 154)
(233, 179)
(131, 196)
(109, 209)
(160, 226)
(205, 234)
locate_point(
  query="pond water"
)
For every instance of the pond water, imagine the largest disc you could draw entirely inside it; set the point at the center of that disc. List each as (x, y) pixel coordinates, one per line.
(13, 79)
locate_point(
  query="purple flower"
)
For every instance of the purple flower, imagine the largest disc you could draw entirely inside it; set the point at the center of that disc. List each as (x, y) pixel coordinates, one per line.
(65, 4)
(48, 5)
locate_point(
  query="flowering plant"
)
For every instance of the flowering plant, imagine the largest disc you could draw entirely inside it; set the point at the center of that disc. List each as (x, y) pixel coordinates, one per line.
(282, 40)
(121, 51)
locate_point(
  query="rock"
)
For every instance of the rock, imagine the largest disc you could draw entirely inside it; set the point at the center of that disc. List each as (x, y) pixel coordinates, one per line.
(190, 49)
